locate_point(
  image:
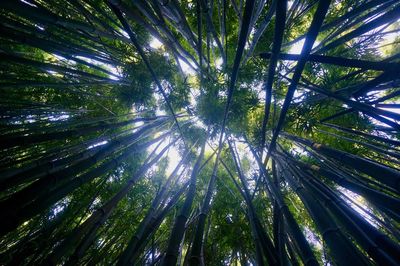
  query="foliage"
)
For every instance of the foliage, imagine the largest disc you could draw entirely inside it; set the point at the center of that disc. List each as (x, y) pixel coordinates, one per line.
(139, 133)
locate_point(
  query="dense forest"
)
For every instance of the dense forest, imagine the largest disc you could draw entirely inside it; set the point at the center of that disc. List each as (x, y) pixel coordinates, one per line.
(200, 132)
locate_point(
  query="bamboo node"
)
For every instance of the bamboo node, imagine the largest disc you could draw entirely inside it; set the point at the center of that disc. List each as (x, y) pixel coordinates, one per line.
(315, 167)
(316, 146)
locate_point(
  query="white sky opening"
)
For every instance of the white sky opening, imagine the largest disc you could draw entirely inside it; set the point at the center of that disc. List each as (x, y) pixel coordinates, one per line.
(298, 46)
(173, 159)
(172, 154)
(155, 43)
(186, 68)
(298, 95)
(159, 99)
(218, 63)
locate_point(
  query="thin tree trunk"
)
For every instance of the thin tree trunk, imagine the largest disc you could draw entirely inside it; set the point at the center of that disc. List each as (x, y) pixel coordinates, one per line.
(384, 174)
(312, 33)
(86, 232)
(178, 229)
(341, 248)
(280, 18)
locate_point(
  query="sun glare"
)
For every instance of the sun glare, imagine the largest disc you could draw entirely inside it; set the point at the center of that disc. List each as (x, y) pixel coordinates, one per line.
(173, 159)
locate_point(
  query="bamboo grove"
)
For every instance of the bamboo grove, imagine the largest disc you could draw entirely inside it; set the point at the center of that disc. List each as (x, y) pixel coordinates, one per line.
(199, 132)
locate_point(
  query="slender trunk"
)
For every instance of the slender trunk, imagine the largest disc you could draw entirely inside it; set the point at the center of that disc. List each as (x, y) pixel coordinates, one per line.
(260, 31)
(195, 254)
(384, 174)
(146, 62)
(210, 26)
(261, 236)
(376, 244)
(124, 257)
(376, 197)
(306, 253)
(8, 141)
(178, 229)
(52, 178)
(349, 15)
(18, 216)
(312, 33)
(382, 151)
(363, 134)
(155, 222)
(339, 61)
(86, 232)
(381, 20)
(341, 248)
(278, 224)
(50, 166)
(280, 18)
